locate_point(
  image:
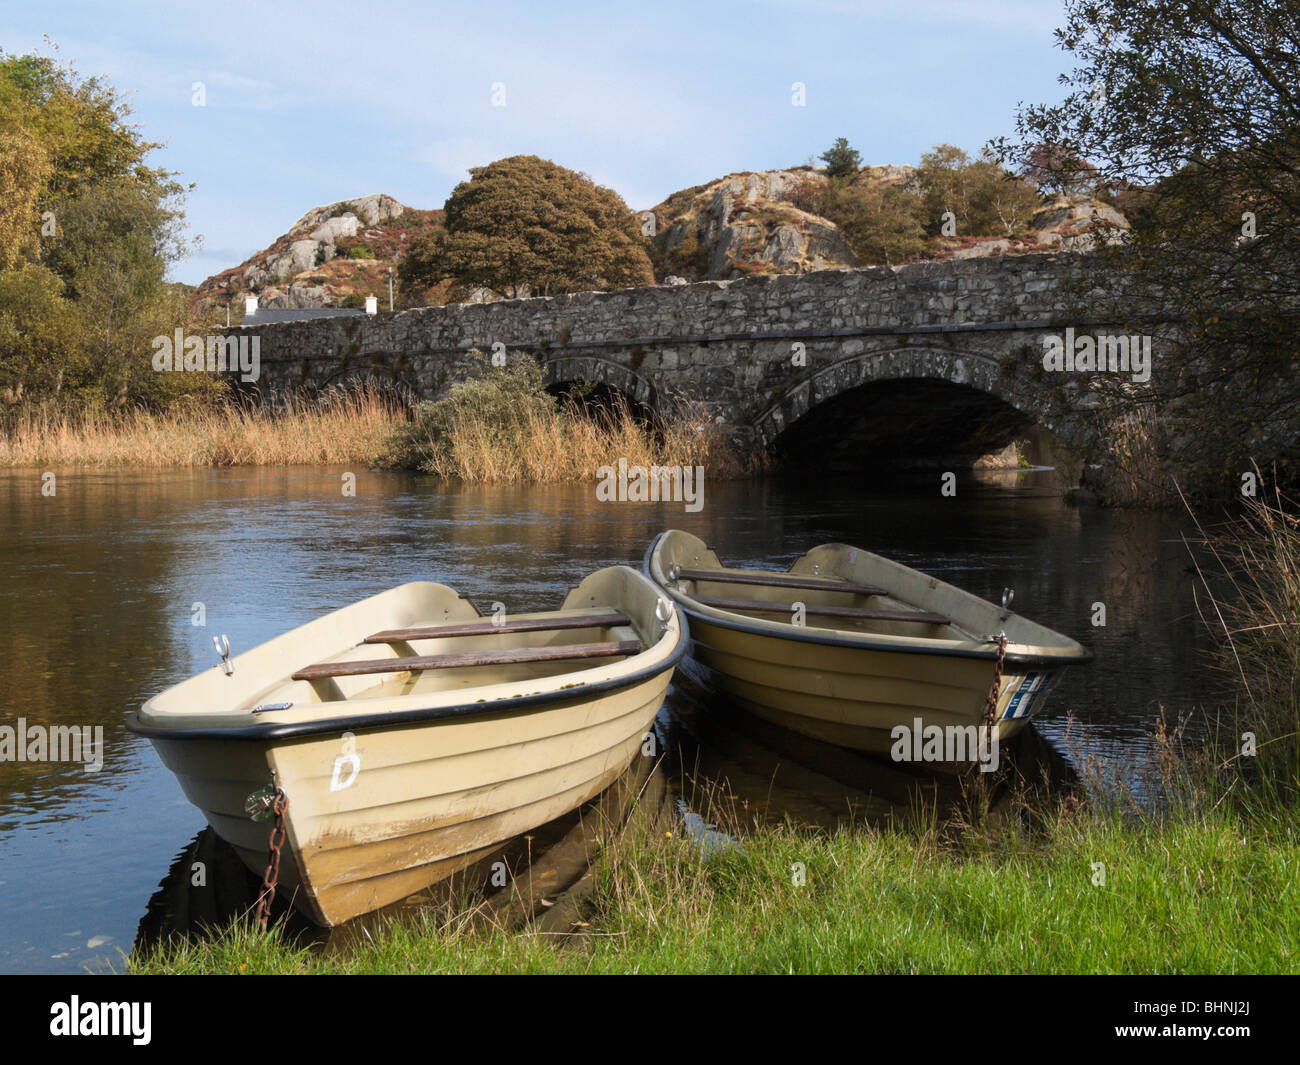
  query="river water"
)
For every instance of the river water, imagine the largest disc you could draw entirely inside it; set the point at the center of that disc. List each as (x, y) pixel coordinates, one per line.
(102, 583)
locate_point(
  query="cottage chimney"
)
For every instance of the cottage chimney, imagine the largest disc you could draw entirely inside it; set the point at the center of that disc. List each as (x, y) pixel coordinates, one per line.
(250, 305)
(372, 305)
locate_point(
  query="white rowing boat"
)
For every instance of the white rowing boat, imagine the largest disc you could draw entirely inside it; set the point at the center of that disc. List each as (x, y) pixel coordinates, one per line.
(850, 648)
(411, 736)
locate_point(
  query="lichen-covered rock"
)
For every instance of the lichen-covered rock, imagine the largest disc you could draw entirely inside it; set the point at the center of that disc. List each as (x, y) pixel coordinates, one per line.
(331, 229)
(1076, 216)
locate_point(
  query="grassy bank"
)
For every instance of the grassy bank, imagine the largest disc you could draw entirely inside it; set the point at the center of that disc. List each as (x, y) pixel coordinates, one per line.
(1201, 896)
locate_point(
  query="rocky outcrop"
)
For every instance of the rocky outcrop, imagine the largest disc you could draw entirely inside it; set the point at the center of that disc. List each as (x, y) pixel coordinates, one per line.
(1068, 224)
(747, 224)
(760, 223)
(1072, 224)
(334, 255)
(324, 227)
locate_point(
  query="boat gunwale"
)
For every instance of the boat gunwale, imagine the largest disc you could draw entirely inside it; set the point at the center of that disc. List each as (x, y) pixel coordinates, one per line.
(778, 630)
(272, 730)
(655, 658)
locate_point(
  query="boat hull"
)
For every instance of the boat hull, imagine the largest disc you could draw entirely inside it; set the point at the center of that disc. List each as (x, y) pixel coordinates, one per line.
(425, 801)
(855, 650)
(855, 697)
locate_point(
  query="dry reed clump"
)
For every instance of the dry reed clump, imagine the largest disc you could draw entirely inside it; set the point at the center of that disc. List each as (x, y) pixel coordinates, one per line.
(501, 426)
(559, 445)
(1140, 476)
(347, 425)
(1257, 631)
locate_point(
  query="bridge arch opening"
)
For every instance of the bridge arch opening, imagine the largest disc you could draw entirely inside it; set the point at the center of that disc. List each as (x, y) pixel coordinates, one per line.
(601, 401)
(913, 423)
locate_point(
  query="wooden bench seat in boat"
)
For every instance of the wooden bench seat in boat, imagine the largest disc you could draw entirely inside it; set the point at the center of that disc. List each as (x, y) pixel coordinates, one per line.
(920, 617)
(510, 656)
(811, 584)
(604, 619)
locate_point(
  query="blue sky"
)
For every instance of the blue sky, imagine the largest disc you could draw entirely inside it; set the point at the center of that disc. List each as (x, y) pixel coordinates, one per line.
(309, 104)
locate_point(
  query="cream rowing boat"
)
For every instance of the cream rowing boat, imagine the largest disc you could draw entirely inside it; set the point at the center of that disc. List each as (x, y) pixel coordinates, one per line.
(412, 737)
(853, 649)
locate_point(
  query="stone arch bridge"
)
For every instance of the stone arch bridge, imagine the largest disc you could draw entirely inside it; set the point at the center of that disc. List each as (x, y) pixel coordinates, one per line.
(940, 358)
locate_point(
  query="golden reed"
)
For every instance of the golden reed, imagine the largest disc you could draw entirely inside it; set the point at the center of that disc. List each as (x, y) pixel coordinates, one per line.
(356, 425)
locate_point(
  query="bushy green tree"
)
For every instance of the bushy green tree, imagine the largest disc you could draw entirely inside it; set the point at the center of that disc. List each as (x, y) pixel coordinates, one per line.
(87, 232)
(1198, 104)
(40, 334)
(24, 172)
(880, 220)
(944, 176)
(524, 224)
(1001, 203)
(983, 198)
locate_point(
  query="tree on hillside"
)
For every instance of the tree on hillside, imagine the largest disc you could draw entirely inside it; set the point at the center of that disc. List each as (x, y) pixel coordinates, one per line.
(841, 160)
(944, 176)
(524, 224)
(880, 220)
(1001, 203)
(983, 199)
(1198, 104)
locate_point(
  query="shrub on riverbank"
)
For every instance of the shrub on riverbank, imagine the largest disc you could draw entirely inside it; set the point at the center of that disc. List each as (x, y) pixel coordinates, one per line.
(502, 426)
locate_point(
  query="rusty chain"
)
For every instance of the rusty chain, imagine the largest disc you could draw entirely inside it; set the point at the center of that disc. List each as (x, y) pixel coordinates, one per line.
(995, 692)
(278, 808)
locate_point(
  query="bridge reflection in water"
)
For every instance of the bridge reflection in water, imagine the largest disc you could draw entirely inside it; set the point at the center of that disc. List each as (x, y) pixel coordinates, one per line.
(717, 775)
